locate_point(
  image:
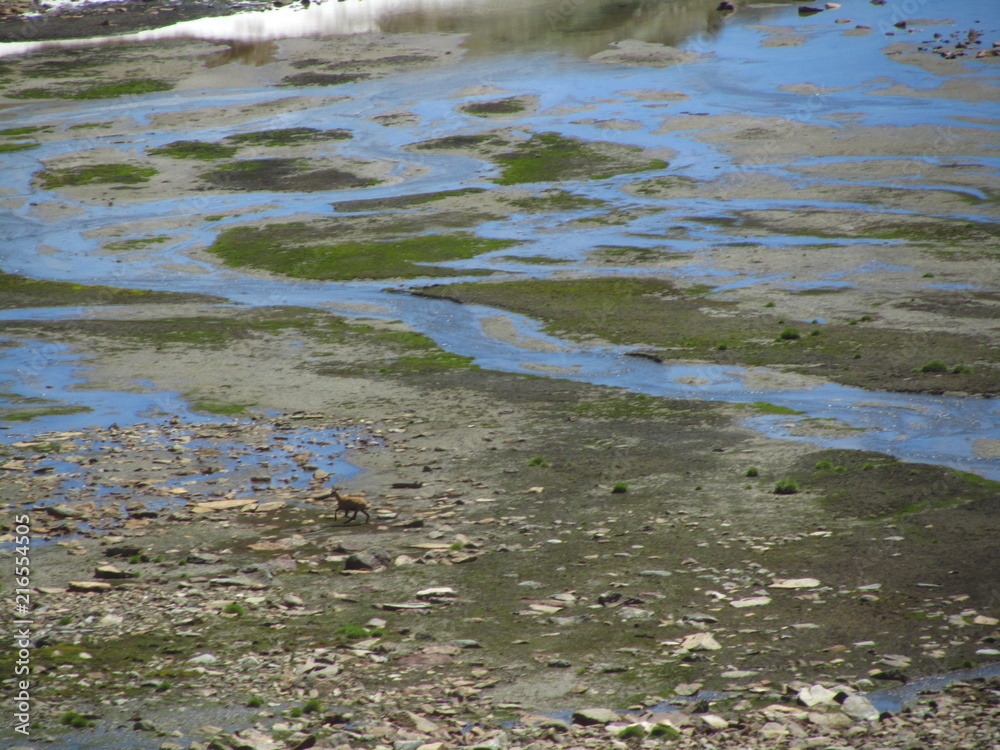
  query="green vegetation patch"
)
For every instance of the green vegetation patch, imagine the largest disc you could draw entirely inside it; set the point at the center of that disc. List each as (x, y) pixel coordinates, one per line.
(509, 106)
(127, 246)
(455, 142)
(96, 174)
(222, 408)
(765, 407)
(624, 254)
(88, 125)
(862, 484)
(321, 79)
(282, 174)
(549, 201)
(195, 150)
(206, 331)
(28, 415)
(288, 136)
(537, 260)
(402, 201)
(27, 130)
(627, 406)
(653, 313)
(306, 251)
(7, 147)
(103, 90)
(18, 292)
(549, 157)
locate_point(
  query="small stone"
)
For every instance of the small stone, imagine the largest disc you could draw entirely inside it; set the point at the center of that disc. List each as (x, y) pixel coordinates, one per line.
(414, 721)
(499, 741)
(635, 613)
(437, 593)
(373, 558)
(89, 586)
(859, 708)
(700, 642)
(590, 716)
(203, 659)
(687, 688)
(815, 695)
(110, 621)
(655, 573)
(751, 601)
(773, 730)
(110, 572)
(794, 583)
(714, 722)
(835, 721)
(895, 660)
(465, 643)
(196, 557)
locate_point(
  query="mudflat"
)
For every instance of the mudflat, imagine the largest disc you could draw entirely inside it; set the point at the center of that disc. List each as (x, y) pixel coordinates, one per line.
(537, 546)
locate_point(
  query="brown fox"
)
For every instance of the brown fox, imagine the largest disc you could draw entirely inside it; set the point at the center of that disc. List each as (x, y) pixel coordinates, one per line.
(351, 503)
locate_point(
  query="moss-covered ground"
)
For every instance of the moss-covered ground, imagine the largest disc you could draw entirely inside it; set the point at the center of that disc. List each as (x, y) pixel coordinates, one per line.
(18, 291)
(652, 312)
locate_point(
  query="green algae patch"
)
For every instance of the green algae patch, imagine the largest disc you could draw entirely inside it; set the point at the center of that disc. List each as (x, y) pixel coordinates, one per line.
(288, 137)
(967, 237)
(509, 106)
(552, 201)
(321, 79)
(457, 142)
(195, 150)
(26, 130)
(400, 202)
(18, 292)
(765, 407)
(625, 255)
(305, 251)
(283, 175)
(220, 408)
(8, 147)
(96, 174)
(113, 89)
(550, 157)
(28, 414)
(137, 243)
(537, 260)
(861, 484)
(103, 90)
(678, 325)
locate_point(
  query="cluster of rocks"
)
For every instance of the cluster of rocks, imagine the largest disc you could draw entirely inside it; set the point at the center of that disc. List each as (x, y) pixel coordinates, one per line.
(97, 479)
(964, 716)
(960, 44)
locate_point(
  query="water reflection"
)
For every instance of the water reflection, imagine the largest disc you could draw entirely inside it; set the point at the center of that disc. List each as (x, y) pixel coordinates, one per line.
(581, 27)
(247, 53)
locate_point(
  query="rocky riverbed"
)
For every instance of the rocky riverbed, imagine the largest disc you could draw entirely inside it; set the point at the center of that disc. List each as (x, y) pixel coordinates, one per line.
(536, 548)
